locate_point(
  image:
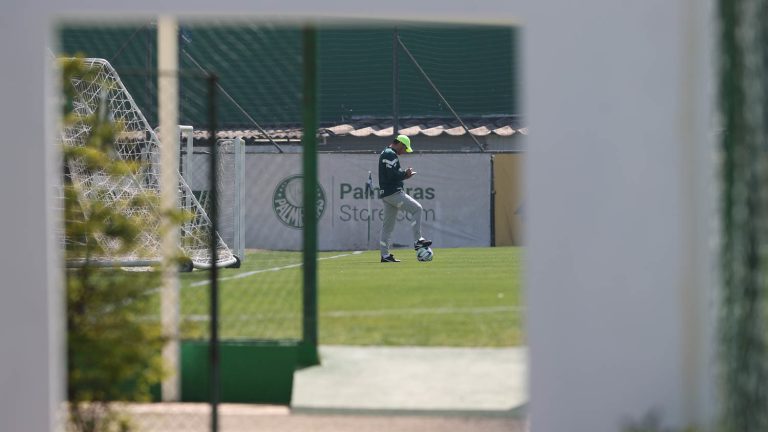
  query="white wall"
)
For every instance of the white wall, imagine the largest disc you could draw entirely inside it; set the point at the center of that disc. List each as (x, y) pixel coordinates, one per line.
(454, 190)
(618, 273)
(619, 187)
(31, 355)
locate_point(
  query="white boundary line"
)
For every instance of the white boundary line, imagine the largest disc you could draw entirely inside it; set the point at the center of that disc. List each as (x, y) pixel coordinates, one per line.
(251, 273)
(372, 313)
(423, 311)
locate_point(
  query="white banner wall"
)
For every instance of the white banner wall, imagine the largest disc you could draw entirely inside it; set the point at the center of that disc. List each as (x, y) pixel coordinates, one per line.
(454, 190)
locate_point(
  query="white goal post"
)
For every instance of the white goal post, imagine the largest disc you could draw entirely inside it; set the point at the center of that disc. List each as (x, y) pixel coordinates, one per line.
(231, 194)
(230, 178)
(136, 142)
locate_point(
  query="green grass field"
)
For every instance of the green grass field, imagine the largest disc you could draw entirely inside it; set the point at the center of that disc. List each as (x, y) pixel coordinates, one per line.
(465, 297)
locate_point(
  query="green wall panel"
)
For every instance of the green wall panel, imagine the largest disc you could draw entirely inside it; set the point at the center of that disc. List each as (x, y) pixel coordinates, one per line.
(259, 65)
(251, 371)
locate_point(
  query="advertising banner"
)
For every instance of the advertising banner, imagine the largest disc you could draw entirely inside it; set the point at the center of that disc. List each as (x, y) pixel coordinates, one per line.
(453, 189)
(509, 205)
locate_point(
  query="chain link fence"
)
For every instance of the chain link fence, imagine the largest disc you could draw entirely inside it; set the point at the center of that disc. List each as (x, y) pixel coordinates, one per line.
(391, 76)
(409, 74)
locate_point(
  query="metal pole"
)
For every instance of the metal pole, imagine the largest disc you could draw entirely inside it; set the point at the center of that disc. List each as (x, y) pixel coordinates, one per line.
(148, 79)
(493, 203)
(214, 272)
(395, 84)
(168, 105)
(187, 133)
(309, 145)
(240, 198)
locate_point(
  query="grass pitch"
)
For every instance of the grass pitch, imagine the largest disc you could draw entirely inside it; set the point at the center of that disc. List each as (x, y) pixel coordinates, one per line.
(465, 297)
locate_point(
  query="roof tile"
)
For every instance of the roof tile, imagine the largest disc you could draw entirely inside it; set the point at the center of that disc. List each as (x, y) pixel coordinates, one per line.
(504, 126)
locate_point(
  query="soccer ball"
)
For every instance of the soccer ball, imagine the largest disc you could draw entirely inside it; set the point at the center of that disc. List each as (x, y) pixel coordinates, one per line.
(425, 254)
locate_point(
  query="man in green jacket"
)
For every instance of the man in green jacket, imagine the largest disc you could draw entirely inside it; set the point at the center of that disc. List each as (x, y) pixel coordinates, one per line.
(391, 178)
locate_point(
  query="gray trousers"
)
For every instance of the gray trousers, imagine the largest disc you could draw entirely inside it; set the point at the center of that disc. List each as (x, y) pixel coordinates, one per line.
(392, 204)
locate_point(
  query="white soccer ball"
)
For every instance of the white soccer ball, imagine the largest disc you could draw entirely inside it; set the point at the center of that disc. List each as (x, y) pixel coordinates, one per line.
(425, 254)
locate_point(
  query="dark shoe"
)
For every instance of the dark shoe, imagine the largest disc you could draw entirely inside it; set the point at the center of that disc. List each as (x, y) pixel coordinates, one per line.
(389, 258)
(422, 243)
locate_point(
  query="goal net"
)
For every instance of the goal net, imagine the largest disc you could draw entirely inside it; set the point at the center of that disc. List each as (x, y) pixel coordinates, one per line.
(138, 142)
(230, 177)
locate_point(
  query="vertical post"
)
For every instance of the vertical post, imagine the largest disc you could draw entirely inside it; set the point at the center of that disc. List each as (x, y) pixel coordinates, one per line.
(308, 349)
(187, 132)
(32, 298)
(148, 78)
(395, 84)
(168, 91)
(214, 273)
(240, 198)
(493, 204)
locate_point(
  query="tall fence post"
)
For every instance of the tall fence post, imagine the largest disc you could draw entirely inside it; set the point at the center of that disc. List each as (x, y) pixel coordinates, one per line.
(215, 372)
(308, 349)
(168, 107)
(395, 84)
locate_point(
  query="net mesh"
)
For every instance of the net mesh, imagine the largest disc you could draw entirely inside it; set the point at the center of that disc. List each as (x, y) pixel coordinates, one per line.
(744, 310)
(228, 188)
(263, 298)
(474, 68)
(105, 94)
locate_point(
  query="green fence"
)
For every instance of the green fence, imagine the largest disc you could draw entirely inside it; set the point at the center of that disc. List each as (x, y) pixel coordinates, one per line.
(259, 65)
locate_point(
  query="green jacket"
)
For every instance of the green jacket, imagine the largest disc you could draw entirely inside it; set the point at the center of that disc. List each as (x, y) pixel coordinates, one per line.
(391, 176)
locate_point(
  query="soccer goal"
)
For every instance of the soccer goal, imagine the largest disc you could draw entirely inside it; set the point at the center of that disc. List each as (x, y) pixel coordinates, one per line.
(137, 141)
(230, 177)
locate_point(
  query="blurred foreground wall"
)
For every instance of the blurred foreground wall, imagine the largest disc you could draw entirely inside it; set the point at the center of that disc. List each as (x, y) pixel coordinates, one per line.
(620, 215)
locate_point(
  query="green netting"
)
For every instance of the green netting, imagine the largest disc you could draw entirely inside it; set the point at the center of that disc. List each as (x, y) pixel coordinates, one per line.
(252, 307)
(472, 67)
(129, 49)
(259, 66)
(355, 73)
(744, 312)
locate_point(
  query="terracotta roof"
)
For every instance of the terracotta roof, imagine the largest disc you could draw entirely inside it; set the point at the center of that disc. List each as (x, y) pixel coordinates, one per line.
(481, 126)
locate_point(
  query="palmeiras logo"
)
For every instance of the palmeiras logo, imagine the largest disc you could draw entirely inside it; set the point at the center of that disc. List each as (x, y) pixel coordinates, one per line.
(288, 201)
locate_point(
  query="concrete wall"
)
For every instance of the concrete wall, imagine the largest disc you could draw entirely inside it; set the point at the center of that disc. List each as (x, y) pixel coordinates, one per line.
(31, 319)
(620, 214)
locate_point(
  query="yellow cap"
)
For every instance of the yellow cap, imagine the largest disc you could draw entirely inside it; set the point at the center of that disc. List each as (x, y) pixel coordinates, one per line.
(406, 142)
